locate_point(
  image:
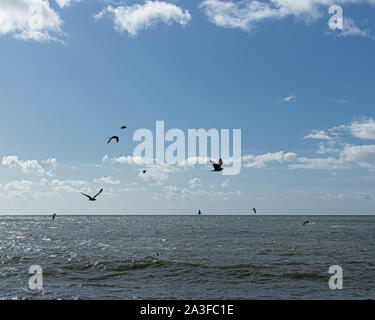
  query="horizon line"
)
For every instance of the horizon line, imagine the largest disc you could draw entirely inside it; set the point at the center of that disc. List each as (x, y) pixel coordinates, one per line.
(188, 214)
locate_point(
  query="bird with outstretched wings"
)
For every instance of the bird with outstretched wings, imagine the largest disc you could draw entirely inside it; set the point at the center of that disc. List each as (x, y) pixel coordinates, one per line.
(113, 137)
(93, 198)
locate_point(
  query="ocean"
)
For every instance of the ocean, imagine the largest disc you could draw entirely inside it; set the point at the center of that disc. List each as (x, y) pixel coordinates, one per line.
(187, 257)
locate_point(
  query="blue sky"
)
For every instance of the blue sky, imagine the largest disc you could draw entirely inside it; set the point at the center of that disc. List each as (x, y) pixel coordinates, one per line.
(301, 93)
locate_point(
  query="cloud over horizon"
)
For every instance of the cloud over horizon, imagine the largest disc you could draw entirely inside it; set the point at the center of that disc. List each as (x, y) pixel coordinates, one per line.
(137, 17)
(30, 20)
(245, 14)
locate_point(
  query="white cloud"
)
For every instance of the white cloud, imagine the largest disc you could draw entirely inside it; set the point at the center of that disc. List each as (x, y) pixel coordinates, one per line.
(174, 192)
(318, 134)
(18, 188)
(329, 163)
(134, 18)
(339, 100)
(158, 173)
(57, 182)
(27, 166)
(195, 183)
(69, 186)
(350, 29)
(246, 13)
(107, 180)
(363, 129)
(260, 161)
(242, 14)
(50, 189)
(178, 193)
(326, 147)
(43, 182)
(65, 3)
(193, 161)
(132, 160)
(289, 98)
(51, 161)
(30, 20)
(105, 158)
(225, 184)
(364, 196)
(363, 156)
(349, 157)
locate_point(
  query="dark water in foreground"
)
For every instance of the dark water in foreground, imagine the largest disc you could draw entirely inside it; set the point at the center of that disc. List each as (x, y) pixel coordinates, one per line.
(200, 257)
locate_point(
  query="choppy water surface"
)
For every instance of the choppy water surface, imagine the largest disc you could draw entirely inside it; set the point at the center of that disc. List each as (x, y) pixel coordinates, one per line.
(187, 257)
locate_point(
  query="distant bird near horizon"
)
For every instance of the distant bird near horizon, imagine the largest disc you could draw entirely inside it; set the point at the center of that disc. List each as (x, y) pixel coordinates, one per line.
(254, 210)
(144, 171)
(94, 197)
(306, 222)
(53, 216)
(113, 137)
(199, 212)
(123, 127)
(217, 166)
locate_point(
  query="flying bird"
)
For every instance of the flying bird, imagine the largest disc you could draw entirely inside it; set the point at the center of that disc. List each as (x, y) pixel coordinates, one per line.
(111, 138)
(144, 171)
(217, 166)
(53, 216)
(199, 212)
(254, 210)
(306, 222)
(94, 197)
(123, 127)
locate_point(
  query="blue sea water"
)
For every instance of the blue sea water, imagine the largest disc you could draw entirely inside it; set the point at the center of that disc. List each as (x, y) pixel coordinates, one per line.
(187, 257)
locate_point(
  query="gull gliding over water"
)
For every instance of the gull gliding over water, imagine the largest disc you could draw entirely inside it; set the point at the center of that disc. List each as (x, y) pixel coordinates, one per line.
(94, 197)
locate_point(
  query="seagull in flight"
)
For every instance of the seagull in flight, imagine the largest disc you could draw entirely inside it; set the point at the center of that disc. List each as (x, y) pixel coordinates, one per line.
(94, 197)
(53, 216)
(305, 223)
(254, 210)
(144, 171)
(123, 127)
(111, 138)
(217, 166)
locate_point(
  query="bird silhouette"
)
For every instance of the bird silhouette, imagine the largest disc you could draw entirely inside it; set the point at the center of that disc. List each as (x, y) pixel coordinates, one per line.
(144, 171)
(217, 166)
(123, 127)
(94, 197)
(53, 216)
(114, 137)
(254, 210)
